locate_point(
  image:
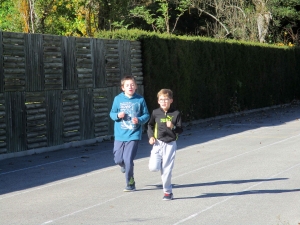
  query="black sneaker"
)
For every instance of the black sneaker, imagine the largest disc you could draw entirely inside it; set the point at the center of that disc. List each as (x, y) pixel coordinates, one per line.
(168, 197)
(130, 186)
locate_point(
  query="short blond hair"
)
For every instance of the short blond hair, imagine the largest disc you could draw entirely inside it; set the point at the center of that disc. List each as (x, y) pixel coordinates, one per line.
(165, 92)
(127, 78)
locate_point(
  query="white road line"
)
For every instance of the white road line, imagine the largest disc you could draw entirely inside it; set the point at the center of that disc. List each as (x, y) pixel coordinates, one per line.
(49, 163)
(226, 137)
(233, 157)
(140, 160)
(196, 214)
(57, 183)
(100, 171)
(228, 198)
(63, 160)
(65, 180)
(84, 209)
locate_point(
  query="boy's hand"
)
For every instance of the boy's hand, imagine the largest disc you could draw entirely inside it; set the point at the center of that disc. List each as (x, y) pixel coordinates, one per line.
(135, 120)
(151, 140)
(169, 124)
(121, 115)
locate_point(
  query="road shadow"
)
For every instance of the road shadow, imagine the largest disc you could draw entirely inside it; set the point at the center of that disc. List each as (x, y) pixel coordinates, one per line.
(250, 192)
(30, 171)
(159, 186)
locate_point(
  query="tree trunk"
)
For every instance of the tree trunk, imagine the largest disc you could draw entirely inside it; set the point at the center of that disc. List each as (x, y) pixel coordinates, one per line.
(263, 19)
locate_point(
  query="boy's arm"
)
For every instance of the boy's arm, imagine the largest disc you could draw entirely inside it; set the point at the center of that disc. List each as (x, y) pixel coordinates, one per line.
(145, 113)
(151, 125)
(178, 124)
(114, 111)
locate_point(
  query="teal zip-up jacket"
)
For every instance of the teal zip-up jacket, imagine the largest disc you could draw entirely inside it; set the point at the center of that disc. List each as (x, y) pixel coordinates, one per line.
(124, 129)
(158, 129)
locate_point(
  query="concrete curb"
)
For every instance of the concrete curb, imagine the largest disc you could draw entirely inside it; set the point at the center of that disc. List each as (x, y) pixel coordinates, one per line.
(234, 114)
(54, 148)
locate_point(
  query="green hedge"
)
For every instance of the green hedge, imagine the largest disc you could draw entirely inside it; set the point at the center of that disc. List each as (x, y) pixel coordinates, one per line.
(213, 77)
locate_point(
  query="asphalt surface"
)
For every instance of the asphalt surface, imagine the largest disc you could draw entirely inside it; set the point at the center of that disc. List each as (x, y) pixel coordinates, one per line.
(234, 170)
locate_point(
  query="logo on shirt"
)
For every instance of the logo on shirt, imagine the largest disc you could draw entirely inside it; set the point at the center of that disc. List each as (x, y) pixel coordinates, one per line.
(131, 110)
(166, 119)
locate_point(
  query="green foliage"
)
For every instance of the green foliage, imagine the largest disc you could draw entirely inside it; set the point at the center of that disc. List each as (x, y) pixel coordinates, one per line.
(124, 34)
(160, 19)
(8, 19)
(85, 17)
(286, 21)
(63, 17)
(142, 12)
(285, 9)
(136, 34)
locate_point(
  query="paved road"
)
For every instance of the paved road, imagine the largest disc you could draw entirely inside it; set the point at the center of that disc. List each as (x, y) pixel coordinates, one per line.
(237, 170)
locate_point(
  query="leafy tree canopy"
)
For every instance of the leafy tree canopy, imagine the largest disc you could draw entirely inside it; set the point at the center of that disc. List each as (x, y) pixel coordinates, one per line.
(269, 21)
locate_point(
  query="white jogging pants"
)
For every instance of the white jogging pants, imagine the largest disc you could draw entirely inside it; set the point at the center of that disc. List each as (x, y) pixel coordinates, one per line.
(162, 158)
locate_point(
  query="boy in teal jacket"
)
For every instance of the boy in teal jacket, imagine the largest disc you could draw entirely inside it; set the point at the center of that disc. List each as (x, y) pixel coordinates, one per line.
(130, 112)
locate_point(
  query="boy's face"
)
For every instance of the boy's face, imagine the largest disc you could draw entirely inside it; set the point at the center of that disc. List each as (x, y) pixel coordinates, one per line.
(164, 102)
(129, 87)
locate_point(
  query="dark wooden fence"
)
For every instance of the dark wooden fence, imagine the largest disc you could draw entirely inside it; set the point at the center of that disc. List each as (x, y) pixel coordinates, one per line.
(56, 90)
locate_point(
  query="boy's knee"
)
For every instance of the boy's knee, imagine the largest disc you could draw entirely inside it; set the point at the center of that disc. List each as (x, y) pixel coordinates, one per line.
(154, 168)
(119, 162)
(154, 163)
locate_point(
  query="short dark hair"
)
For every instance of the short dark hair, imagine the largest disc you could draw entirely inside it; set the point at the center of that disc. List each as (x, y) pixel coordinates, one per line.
(127, 78)
(165, 92)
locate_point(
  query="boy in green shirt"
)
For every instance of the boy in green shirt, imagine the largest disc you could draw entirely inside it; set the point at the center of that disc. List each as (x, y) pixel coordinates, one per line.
(164, 127)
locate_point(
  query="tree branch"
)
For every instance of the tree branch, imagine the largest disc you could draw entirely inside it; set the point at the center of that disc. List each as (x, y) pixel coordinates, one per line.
(215, 18)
